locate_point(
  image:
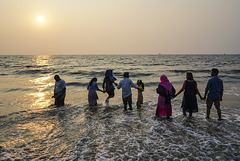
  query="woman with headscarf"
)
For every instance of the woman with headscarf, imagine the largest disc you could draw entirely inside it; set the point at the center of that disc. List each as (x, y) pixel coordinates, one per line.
(165, 88)
(92, 94)
(189, 101)
(108, 84)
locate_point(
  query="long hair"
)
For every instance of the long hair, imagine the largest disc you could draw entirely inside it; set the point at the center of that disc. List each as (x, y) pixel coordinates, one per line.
(189, 76)
(140, 83)
(93, 80)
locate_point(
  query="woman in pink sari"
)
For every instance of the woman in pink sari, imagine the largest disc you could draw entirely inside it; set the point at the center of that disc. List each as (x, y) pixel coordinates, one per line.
(164, 107)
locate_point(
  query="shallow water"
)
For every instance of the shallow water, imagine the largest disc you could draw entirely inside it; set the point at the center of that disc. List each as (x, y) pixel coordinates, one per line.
(33, 129)
(109, 133)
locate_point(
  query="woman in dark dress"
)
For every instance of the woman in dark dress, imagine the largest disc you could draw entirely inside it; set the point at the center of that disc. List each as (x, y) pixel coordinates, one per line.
(108, 84)
(189, 102)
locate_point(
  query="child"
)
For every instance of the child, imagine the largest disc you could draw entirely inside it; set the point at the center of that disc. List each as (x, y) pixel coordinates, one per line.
(140, 85)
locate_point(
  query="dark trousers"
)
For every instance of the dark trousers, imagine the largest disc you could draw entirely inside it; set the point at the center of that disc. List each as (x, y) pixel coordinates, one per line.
(59, 102)
(127, 100)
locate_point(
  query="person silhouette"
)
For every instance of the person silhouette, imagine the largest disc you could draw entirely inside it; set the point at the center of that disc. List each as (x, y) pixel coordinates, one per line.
(59, 91)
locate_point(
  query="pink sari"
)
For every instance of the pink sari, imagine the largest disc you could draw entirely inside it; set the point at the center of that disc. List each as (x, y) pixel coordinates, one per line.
(162, 108)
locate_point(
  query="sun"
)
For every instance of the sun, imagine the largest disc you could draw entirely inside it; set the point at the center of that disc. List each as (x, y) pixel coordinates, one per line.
(41, 19)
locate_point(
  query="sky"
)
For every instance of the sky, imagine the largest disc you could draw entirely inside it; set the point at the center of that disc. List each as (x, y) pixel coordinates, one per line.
(29, 27)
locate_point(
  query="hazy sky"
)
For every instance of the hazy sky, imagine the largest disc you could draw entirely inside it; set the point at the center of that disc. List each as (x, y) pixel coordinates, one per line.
(119, 26)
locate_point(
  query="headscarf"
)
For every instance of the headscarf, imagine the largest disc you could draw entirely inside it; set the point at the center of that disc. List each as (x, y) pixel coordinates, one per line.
(165, 82)
(109, 74)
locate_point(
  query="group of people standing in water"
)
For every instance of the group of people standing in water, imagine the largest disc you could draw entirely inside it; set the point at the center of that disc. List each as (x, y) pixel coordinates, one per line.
(108, 86)
(213, 93)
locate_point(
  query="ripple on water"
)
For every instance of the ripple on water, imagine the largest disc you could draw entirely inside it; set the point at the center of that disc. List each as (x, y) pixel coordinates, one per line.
(108, 133)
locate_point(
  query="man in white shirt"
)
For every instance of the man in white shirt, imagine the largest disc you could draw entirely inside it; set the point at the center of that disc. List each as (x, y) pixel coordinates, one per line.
(126, 85)
(59, 91)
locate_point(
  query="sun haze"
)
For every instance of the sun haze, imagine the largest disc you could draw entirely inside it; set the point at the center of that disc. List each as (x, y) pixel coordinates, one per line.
(119, 27)
(41, 19)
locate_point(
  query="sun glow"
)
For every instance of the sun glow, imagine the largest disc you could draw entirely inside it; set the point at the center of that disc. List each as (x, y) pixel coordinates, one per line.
(41, 19)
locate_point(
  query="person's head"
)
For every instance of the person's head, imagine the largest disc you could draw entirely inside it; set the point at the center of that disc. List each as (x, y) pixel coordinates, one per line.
(189, 76)
(126, 75)
(140, 83)
(109, 74)
(164, 78)
(93, 80)
(214, 72)
(57, 78)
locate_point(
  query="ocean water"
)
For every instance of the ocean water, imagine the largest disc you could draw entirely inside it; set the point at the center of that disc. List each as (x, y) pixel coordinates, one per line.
(33, 129)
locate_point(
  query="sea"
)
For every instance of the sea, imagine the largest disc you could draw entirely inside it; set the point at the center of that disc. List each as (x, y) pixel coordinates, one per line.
(32, 128)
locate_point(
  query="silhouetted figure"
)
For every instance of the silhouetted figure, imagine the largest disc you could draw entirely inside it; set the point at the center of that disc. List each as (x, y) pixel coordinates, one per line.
(140, 85)
(165, 91)
(214, 93)
(59, 91)
(108, 84)
(92, 94)
(126, 85)
(189, 101)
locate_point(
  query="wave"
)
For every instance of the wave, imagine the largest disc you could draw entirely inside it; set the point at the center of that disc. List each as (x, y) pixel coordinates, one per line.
(18, 89)
(232, 71)
(35, 66)
(140, 74)
(152, 64)
(93, 73)
(77, 84)
(36, 71)
(193, 71)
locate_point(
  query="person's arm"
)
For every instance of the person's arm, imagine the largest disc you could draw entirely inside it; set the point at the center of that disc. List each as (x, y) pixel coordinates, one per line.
(88, 87)
(198, 91)
(134, 85)
(98, 88)
(206, 90)
(115, 82)
(182, 89)
(103, 85)
(221, 92)
(119, 85)
(54, 93)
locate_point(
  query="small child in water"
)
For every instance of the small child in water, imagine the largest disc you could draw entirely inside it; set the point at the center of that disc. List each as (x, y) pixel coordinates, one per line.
(140, 85)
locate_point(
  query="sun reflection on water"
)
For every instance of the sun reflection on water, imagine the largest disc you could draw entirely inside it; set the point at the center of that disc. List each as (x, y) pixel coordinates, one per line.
(43, 84)
(42, 59)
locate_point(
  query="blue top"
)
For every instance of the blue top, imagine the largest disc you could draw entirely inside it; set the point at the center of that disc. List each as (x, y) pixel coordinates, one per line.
(126, 84)
(93, 86)
(215, 86)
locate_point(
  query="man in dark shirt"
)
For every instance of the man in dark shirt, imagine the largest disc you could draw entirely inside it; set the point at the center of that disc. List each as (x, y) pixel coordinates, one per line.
(214, 89)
